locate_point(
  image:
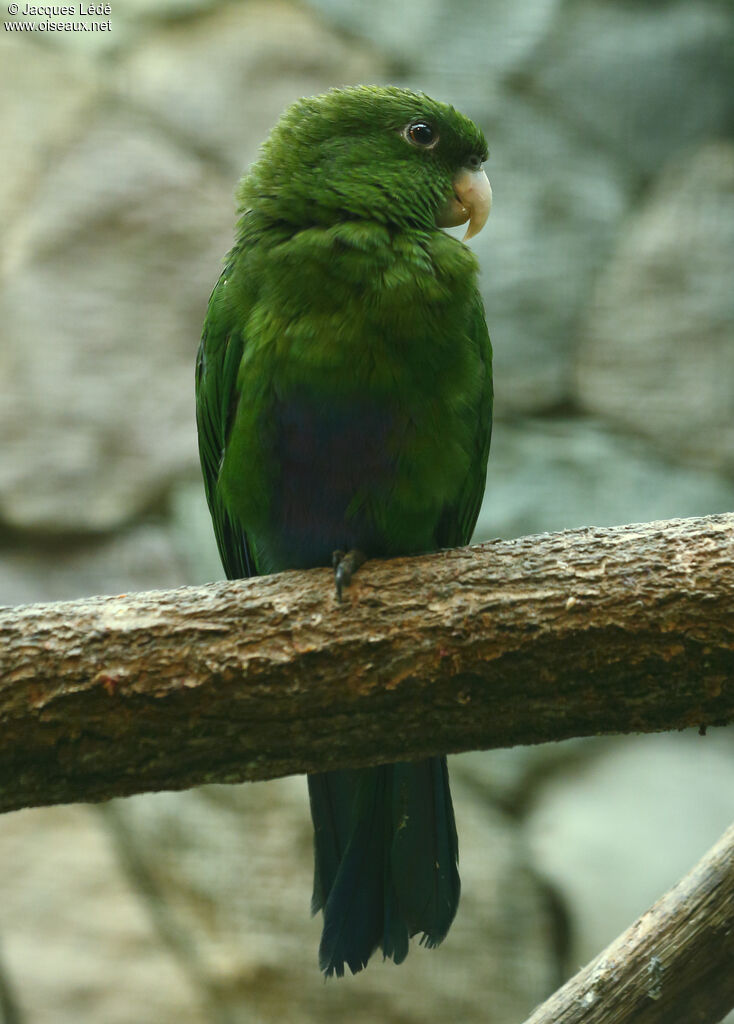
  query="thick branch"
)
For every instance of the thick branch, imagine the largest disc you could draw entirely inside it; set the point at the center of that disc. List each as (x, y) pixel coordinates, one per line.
(582, 632)
(675, 965)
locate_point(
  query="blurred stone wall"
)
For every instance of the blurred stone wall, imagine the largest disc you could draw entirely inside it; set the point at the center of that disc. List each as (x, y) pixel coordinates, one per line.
(607, 276)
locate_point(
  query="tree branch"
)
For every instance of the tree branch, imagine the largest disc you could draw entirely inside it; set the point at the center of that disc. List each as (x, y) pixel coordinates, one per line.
(675, 965)
(583, 632)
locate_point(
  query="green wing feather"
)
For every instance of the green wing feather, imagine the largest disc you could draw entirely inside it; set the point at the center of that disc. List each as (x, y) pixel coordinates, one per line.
(458, 520)
(220, 354)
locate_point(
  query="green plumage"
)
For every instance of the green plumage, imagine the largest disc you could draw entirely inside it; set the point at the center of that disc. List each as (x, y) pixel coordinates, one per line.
(344, 399)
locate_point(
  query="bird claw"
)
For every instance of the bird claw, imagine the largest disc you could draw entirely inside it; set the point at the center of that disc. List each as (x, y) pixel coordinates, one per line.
(345, 565)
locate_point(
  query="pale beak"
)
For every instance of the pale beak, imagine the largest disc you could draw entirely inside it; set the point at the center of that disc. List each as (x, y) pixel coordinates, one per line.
(471, 201)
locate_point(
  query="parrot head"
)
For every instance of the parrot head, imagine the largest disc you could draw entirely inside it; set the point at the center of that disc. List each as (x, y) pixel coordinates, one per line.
(377, 153)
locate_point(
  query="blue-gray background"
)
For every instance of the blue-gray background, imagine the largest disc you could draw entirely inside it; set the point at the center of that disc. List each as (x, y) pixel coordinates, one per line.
(607, 269)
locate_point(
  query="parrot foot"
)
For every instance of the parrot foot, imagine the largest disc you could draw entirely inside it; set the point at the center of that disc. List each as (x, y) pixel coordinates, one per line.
(345, 565)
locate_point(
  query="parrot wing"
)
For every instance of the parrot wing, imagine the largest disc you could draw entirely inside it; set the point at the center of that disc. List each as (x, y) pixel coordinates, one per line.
(220, 354)
(459, 519)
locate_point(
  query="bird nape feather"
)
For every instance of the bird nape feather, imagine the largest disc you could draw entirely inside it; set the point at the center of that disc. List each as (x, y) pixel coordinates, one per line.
(344, 410)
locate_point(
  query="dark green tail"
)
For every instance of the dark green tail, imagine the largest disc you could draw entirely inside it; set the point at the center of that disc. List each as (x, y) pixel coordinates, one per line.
(385, 860)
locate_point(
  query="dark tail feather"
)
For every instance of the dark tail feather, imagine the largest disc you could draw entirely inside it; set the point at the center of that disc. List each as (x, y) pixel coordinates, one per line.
(353, 911)
(385, 860)
(332, 796)
(425, 848)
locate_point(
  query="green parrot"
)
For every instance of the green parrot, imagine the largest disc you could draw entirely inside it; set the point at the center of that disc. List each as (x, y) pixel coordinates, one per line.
(344, 410)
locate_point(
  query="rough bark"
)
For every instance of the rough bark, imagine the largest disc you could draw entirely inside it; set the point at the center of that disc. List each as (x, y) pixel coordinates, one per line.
(674, 965)
(583, 632)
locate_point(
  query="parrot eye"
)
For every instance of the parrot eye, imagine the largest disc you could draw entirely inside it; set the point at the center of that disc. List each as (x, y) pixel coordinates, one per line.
(421, 134)
(474, 162)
